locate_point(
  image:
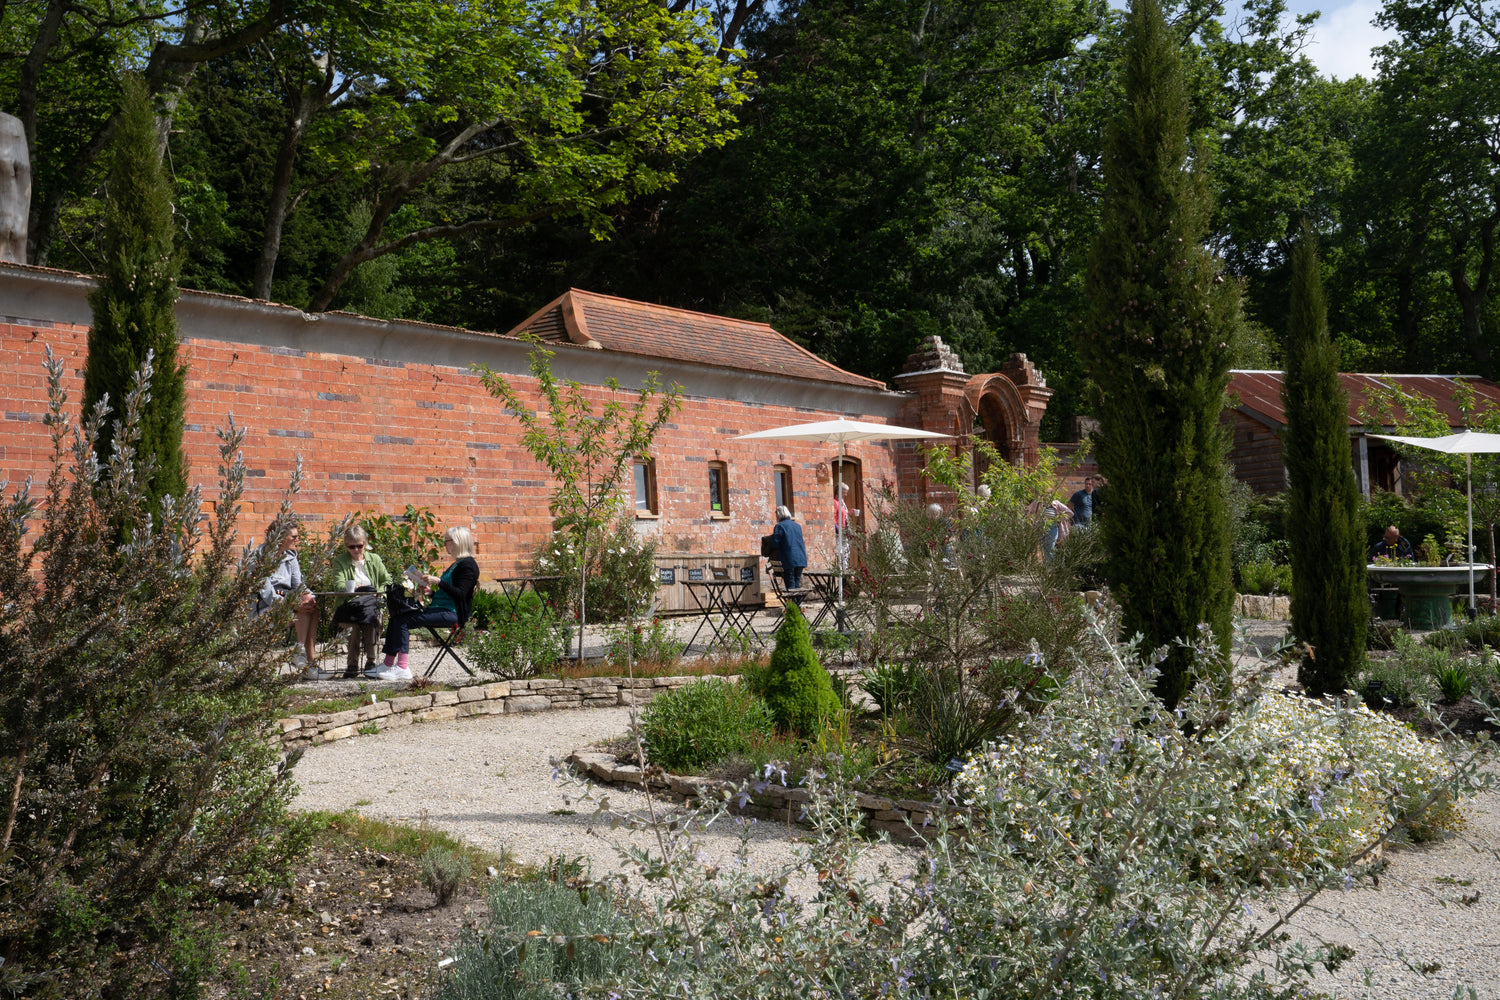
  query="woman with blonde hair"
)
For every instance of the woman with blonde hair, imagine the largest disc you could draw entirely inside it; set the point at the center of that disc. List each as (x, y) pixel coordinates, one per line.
(452, 600)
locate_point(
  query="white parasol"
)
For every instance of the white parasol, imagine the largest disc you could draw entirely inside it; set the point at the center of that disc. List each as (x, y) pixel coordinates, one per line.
(840, 432)
(1467, 444)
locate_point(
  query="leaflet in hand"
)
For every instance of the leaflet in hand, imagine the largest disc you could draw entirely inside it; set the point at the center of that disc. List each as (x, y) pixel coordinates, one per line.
(416, 576)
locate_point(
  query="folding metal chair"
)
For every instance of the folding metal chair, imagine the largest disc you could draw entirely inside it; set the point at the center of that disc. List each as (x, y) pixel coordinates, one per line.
(454, 637)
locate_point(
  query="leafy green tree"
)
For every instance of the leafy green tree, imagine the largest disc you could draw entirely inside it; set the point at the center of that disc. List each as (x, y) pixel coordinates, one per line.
(65, 71)
(136, 771)
(1325, 529)
(1157, 342)
(1440, 86)
(587, 450)
(547, 108)
(135, 303)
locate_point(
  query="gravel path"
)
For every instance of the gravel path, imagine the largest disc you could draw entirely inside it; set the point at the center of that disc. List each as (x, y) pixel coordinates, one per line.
(489, 781)
(1437, 908)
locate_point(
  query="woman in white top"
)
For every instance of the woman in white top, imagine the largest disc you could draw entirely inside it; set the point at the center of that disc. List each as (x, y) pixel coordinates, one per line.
(286, 579)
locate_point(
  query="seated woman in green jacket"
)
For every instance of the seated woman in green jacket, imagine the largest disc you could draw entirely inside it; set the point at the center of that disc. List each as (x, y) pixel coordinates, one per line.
(355, 569)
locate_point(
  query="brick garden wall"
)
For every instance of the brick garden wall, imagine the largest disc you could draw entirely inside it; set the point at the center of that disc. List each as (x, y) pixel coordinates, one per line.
(384, 414)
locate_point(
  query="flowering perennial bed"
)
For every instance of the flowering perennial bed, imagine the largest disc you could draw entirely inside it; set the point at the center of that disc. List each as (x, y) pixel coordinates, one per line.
(1307, 778)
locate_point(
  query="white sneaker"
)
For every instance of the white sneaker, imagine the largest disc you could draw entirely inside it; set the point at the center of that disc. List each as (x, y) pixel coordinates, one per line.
(300, 659)
(394, 673)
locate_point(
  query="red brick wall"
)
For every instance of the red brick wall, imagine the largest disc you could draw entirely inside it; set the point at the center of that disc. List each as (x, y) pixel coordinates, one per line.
(376, 435)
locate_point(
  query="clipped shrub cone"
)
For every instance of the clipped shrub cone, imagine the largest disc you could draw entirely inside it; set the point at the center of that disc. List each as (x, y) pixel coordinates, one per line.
(797, 688)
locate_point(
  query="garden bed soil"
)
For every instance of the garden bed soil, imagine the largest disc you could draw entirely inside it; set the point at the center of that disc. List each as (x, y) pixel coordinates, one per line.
(1467, 719)
(371, 925)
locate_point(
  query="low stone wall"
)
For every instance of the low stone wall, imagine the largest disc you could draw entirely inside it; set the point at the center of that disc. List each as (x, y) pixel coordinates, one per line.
(1269, 607)
(903, 819)
(495, 698)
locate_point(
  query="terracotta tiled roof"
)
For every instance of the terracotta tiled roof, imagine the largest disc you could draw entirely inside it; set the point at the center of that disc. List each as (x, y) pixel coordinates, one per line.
(653, 331)
(1259, 393)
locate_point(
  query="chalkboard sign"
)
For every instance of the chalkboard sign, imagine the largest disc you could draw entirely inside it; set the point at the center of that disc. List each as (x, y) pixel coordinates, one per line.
(747, 574)
(668, 577)
(695, 575)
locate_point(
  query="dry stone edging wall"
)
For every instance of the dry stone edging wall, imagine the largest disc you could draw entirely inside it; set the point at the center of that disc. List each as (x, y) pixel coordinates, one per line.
(492, 698)
(1269, 607)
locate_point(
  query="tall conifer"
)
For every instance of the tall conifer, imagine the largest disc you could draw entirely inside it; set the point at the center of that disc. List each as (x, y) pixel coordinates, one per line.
(1156, 342)
(1324, 529)
(134, 305)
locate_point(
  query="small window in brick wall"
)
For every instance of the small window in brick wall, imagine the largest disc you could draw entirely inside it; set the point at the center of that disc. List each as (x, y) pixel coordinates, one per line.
(718, 489)
(782, 474)
(645, 487)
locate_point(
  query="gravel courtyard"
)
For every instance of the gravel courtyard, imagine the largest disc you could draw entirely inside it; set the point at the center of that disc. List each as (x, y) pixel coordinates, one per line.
(489, 781)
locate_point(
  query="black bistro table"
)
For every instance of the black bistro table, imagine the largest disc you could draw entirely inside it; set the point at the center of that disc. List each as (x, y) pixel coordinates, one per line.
(722, 597)
(514, 586)
(825, 590)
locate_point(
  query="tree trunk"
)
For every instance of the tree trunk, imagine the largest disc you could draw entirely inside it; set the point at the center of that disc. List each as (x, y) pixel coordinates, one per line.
(1471, 297)
(31, 69)
(281, 189)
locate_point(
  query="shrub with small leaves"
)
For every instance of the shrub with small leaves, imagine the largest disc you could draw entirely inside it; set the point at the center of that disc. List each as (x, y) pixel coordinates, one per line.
(1265, 577)
(542, 939)
(796, 687)
(443, 871)
(134, 713)
(1391, 682)
(522, 640)
(652, 643)
(703, 723)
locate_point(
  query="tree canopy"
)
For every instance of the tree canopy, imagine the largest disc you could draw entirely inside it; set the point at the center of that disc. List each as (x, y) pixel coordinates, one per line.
(859, 173)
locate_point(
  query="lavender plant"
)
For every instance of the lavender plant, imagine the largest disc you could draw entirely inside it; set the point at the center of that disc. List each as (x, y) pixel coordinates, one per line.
(134, 757)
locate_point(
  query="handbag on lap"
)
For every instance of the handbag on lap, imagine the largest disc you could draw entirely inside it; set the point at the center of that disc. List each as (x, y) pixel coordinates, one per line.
(400, 602)
(361, 609)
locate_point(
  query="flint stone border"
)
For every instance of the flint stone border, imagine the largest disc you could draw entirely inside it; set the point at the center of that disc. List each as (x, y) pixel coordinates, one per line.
(769, 801)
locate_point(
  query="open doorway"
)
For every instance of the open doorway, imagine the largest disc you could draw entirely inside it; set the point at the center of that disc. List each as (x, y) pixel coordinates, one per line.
(846, 471)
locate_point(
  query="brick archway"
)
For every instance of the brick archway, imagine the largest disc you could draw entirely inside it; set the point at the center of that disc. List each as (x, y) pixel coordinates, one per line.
(994, 400)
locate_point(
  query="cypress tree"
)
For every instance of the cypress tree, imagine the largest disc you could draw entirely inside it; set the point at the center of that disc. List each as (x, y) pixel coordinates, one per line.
(1324, 528)
(134, 305)
(1156, 343)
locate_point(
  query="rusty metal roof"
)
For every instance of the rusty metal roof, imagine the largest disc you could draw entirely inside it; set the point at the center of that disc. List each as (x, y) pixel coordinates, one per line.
(1258, 394)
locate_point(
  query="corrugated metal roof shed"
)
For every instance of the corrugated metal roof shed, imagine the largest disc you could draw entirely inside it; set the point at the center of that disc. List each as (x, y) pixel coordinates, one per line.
(1258, 394)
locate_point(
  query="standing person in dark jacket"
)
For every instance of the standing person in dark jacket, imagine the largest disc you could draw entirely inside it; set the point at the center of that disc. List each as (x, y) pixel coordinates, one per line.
(1082, 502)
(790, 550)
(452, 600)
(1100, 497)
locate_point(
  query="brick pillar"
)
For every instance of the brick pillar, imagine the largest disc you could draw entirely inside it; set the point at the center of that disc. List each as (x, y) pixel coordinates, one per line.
(936, 378)
(1034, 395)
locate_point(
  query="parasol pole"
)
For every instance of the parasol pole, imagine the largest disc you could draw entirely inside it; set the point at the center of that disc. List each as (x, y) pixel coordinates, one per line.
(838, 533)
(1469, 555)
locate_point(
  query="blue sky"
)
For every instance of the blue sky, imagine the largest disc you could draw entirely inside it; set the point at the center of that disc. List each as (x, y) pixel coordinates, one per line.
(1342, 37)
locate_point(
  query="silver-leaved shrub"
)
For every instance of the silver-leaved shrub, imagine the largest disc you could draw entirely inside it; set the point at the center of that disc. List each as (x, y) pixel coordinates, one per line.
(1110, 849)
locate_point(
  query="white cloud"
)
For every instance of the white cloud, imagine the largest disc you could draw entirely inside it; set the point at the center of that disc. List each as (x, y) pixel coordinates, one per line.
(1343, 37)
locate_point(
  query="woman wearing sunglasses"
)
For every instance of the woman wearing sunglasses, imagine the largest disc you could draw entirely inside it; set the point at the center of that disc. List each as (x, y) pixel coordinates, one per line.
(356, 569)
